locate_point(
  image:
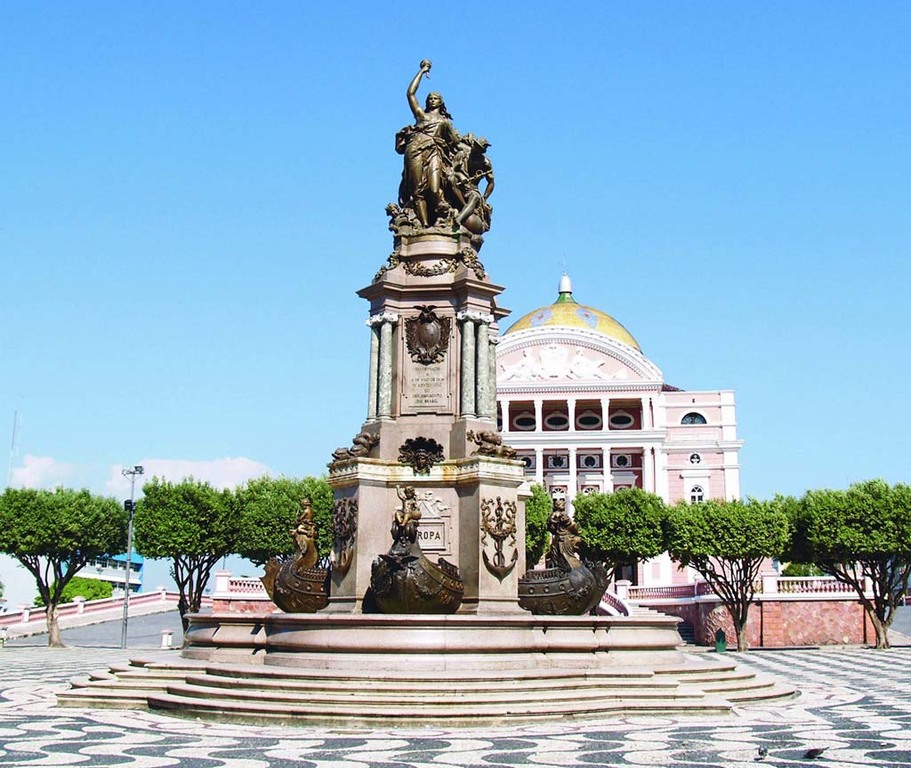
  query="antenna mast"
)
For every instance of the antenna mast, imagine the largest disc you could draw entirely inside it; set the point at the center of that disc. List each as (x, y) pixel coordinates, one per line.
(13, 448)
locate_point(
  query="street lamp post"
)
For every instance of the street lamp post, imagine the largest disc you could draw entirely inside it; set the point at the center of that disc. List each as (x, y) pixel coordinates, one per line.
(129, 505)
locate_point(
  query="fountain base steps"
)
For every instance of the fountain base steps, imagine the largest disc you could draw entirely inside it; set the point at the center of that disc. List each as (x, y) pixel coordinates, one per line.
(381, 670)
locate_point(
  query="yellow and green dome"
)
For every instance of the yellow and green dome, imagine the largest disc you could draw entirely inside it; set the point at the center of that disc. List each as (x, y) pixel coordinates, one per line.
(566, 312)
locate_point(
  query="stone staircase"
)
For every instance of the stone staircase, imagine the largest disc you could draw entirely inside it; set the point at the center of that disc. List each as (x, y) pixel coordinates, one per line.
(254, 693)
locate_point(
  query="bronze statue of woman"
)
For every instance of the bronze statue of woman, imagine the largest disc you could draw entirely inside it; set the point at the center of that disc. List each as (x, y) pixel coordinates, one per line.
(428, 146)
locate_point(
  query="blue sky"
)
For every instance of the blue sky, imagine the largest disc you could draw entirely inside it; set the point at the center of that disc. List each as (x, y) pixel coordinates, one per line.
(193, 192)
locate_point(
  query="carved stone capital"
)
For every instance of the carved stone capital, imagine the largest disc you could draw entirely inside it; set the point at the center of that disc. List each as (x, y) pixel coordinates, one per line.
(382, 317)
(474, 316)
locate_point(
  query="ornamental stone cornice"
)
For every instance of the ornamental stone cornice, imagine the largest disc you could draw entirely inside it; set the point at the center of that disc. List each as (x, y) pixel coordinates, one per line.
(652, 438)
(589, 389)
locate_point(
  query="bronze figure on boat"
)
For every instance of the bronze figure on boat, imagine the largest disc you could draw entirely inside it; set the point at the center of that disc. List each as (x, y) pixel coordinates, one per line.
(404, 580)
(298, 583)
(567, 586)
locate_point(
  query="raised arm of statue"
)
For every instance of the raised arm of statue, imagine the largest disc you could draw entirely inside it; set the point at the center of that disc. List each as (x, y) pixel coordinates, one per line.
(413, 89)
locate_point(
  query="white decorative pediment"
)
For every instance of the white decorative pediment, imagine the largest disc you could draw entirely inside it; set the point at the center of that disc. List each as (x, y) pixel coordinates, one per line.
(542, 356)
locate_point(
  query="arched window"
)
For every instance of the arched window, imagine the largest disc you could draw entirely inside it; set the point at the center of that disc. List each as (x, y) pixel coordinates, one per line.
(693, 418)
(696, 494)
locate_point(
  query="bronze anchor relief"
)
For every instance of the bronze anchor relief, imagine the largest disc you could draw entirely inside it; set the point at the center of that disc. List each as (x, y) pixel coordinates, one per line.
(498, 522)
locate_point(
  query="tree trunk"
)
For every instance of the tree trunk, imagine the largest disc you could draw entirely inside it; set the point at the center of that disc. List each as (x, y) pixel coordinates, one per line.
(54, 640)
(741, 630)
(882, 631)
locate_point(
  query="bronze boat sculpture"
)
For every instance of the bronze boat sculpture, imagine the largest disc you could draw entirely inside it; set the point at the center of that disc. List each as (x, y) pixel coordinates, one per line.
(567, 586)
(298, 583)
(404, 580)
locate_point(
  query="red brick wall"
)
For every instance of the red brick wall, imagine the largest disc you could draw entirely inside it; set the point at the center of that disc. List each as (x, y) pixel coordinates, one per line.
(781, 623)
(264, 607)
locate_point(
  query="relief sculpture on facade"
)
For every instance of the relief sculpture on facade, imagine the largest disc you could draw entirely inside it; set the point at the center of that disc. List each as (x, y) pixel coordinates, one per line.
(427, 335)
(344, 528)
(498, 523)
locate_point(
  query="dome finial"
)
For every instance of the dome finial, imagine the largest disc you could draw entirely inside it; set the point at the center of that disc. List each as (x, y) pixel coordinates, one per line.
(566, 288)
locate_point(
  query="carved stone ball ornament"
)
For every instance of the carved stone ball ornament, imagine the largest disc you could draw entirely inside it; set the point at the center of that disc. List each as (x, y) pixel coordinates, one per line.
(344, 528)
(498, 524)
(427, 336)
(421, 453)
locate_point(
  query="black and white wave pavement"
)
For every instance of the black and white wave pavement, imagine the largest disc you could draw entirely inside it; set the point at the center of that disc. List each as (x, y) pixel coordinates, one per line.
(855, 705)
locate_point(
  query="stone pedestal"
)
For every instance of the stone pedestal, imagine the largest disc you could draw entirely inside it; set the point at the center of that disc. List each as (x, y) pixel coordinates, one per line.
(470, 508)
(433, 320)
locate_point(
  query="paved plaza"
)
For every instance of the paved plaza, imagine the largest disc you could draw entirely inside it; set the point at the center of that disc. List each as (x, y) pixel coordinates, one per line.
(855, 702)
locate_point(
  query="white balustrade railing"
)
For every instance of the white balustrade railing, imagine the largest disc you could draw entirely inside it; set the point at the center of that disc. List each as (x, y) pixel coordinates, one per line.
(29, 614)
(770, 585)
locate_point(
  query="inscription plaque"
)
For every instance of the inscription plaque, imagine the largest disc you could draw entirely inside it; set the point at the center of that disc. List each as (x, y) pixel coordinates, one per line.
(426, 388)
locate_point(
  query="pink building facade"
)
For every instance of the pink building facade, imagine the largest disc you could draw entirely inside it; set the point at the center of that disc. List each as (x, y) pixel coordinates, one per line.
(588, 412)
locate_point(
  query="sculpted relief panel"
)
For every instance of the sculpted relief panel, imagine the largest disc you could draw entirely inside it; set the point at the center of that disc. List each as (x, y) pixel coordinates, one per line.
(556, 362)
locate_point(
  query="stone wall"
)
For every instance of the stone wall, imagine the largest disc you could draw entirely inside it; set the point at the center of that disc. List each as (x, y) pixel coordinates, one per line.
(779, 623)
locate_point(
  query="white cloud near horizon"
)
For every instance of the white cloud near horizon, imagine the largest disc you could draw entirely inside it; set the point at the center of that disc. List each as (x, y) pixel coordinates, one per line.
(219, 473)
(41, 472)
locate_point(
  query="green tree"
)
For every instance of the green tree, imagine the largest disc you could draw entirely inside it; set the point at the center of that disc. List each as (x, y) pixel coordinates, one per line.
(727, 543)
(268, 509)
(54, 533)
(192, 525)
(802, 569)
(858, 534)
(620, 528)
(78, 586)
(537, 510)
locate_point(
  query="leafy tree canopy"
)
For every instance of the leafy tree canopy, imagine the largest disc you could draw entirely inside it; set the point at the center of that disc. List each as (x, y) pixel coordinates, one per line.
(537, 510)
(727, 529)
(869, 519)
(622, 527)
(186, 519)
(268, 508)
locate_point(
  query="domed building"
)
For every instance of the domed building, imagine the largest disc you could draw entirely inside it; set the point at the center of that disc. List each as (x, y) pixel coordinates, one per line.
(587, 411)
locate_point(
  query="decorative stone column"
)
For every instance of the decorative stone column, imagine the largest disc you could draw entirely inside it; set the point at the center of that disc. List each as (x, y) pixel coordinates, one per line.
(539, 466)
(468, 403)
(384, 390)
(539, 415)
(505, 404)
(492, 359)
(648, 469)
(571, 414)
(483, 394)
(572, 489)
(374, 369)
(646, 413)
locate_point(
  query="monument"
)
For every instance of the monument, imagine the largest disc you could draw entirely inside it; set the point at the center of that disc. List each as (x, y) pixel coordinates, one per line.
(432, 386)
(423, 623)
